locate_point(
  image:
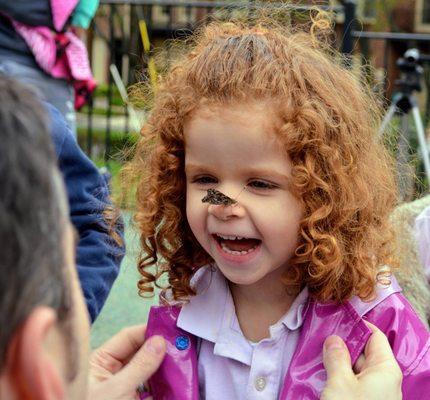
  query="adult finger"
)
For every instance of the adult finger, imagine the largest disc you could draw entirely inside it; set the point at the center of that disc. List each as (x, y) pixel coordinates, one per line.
(111, 357)
(359, 364)
(378, 350)
(143, 364)
(125, 343)
(377, 345)
(336, 358)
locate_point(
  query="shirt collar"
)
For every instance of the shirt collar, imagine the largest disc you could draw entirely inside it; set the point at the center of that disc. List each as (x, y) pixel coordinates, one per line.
(203, 315)
(211, 315)
(294, 317)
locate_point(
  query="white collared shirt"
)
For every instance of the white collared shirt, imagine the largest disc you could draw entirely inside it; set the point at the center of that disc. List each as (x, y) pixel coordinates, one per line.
(231, 367)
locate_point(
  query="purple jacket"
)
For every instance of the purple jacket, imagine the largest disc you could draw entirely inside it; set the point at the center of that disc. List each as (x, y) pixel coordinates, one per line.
(177, 378)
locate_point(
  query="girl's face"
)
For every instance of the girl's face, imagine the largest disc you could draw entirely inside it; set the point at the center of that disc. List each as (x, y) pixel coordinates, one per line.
(235, 151)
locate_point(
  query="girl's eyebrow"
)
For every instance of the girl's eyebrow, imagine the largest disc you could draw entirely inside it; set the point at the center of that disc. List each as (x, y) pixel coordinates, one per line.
(195, 167)
(263, 172)
(266, 172)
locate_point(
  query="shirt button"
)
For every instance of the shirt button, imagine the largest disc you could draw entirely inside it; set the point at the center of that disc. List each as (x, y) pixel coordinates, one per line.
(260, 383)
(182, 342)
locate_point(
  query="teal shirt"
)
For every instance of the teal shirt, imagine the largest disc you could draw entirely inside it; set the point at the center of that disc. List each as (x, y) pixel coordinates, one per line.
(84, 13)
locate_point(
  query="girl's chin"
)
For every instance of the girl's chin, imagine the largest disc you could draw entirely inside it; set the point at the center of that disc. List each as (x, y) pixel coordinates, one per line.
(239, 280)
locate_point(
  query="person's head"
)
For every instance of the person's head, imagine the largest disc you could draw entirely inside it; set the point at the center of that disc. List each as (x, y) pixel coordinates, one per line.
(274, 120)
(42, 315)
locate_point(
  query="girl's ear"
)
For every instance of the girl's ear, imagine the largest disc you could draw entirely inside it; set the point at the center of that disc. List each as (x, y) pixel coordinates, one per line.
(30, 366)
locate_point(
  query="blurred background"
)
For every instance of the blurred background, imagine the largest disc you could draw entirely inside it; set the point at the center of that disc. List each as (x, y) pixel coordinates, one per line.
(124, 42)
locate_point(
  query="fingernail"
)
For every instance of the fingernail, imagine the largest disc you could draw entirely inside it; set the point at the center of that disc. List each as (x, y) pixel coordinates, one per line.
(155, 344)
(333, 342)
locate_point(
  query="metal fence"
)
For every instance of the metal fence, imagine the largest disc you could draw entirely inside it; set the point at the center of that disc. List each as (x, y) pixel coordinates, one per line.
(128, 30)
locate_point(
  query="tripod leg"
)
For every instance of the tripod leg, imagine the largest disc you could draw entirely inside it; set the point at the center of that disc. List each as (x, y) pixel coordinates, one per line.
(404, 170)
(422, 140)
(387, 118)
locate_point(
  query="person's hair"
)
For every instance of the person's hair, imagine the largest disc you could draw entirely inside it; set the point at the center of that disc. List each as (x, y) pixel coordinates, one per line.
(33, 213)
(329, 122)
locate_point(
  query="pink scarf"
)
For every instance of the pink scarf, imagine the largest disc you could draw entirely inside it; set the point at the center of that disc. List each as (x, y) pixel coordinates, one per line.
(61, 55)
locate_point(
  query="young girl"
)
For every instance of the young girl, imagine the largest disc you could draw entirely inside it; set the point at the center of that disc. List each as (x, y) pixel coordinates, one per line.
(290, 247)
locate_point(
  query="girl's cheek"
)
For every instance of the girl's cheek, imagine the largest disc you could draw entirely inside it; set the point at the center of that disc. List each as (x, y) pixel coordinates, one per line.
(195, 209)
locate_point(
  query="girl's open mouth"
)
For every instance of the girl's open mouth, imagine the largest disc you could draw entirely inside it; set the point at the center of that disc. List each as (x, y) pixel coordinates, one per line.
(237, 245)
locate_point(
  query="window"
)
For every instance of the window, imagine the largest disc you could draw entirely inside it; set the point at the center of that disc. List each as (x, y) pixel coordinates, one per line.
(422, 16)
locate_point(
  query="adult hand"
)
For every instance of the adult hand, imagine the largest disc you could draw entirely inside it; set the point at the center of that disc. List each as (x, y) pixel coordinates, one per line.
(377, 375)
(123, 363)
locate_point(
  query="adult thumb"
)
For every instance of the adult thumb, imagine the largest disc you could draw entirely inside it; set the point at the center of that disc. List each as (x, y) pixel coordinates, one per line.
(143, 364)
(336, 358)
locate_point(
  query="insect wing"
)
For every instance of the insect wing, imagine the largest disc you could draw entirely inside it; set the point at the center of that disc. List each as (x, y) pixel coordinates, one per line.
(215, 197)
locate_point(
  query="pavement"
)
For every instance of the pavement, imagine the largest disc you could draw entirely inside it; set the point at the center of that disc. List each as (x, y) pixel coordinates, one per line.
(123, 307)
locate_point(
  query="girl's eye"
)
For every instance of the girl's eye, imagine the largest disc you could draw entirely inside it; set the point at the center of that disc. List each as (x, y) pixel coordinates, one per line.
(262, 185)
(204, 180)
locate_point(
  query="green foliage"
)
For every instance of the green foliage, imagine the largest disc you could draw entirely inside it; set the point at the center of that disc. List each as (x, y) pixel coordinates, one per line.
(120, 143)
(102, 90)
(118, 139)
(391, 138)
(102, 111)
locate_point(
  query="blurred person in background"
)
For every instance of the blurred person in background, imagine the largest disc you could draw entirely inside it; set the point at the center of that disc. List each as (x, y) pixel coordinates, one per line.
(38, 47)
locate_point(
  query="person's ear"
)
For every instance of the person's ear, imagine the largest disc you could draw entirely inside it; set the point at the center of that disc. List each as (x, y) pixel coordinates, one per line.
(30, 361)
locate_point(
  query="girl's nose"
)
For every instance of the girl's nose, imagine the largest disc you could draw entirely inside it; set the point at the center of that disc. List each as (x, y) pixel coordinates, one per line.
(226, 213)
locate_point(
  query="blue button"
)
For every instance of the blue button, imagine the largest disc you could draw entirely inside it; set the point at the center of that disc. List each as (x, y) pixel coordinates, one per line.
(182, 342)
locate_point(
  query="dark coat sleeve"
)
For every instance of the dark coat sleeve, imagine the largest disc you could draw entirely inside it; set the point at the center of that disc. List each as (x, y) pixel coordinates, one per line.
(98, 254)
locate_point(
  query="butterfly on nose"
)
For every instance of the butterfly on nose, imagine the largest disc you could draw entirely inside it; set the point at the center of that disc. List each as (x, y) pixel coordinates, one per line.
(215, 197)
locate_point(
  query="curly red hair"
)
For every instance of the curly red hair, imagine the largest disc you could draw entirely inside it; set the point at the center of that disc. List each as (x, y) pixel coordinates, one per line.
(341, 172)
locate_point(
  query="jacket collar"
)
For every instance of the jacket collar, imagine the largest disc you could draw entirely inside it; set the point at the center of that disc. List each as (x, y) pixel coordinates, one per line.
(306, 375)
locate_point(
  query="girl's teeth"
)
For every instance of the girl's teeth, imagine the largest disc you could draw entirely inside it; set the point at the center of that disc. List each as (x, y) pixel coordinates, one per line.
(237, 253)
(231, 237)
